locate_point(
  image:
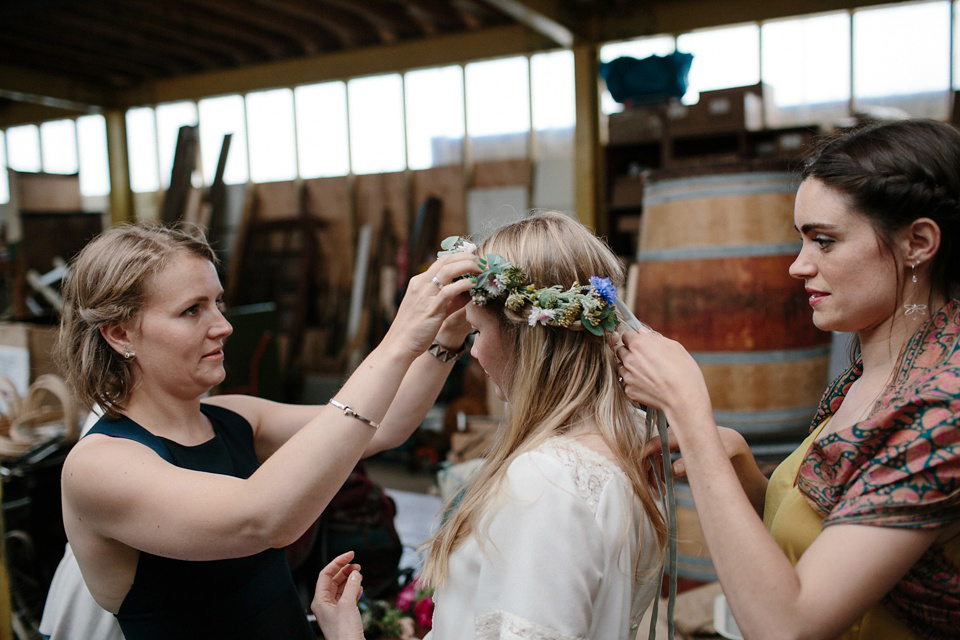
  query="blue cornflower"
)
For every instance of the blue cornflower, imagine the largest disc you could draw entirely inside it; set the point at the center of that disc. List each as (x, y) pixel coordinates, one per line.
(605, 288)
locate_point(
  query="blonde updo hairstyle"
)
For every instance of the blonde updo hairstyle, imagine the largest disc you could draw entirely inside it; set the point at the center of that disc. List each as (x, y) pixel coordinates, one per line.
(107, 286)
(561, 377)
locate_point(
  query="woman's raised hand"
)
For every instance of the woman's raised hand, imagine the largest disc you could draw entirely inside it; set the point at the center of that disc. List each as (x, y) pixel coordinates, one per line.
(658, 372)
(430, 297)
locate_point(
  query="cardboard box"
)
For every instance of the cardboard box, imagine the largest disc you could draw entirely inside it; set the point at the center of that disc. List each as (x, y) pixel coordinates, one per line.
(26, 352)
(636, 125)
(722, 111)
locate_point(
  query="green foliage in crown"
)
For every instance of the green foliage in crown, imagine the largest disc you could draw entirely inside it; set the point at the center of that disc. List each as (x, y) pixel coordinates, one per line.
(592, 306)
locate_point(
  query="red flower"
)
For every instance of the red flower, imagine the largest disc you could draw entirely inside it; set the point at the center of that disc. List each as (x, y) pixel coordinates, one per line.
(423, 612)
(407, 597)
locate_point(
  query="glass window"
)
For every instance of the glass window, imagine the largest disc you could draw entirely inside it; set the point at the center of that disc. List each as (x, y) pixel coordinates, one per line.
(435, 120)
(639, 48)
(553, 93)
(273, 147)
(901, 50)
(322, 141)
(23, 148)
(58, 144)
(142, 150)
(498, 99)
(4, 176)
(94, 164)
(218, 117)
(498, 107)
(170, 117)
(722, 58)
(377, 141)
(807, 60)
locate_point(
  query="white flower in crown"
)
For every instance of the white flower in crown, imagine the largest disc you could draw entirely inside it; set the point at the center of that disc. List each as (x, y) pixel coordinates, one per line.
(496, 285)
(540, 316)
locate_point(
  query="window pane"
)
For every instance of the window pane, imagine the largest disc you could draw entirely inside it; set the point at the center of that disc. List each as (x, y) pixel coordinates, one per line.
(322, 142)
(170, 117)
(142, 149)
(94, 165)
(4, 176)
(725, 57)
(58, 140)
(218, 117)
(640, 48)
(807, 60)
(498, 98)
(554, 97)
(23, 147)
(273, 153)
(901, 50)
(498, 108)
(377, 142)
(435, 127)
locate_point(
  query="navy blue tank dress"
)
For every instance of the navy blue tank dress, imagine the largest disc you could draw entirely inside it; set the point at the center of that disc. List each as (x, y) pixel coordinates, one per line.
(250, 598)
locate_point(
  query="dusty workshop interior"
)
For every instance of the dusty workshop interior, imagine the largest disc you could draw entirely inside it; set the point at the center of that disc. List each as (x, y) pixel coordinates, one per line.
(327, 147)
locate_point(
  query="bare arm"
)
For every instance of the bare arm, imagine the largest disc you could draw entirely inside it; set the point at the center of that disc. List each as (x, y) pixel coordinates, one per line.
(275, 423)
(119, 490)
(843, 573)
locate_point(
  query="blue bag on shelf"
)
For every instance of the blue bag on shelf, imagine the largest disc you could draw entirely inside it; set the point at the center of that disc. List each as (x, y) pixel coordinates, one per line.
(648, 81)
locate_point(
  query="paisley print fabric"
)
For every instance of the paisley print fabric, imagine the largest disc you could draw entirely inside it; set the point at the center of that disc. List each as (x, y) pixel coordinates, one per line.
(900, 467)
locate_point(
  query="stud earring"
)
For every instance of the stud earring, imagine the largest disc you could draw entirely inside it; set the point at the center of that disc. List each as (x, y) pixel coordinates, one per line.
(129, 355)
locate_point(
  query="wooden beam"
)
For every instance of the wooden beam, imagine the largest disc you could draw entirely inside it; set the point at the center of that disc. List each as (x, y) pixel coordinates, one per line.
(543, 16)
(588, 169)
(28, 85)
(16, 113)
(461, 48)
(633, 20)
(121, 195)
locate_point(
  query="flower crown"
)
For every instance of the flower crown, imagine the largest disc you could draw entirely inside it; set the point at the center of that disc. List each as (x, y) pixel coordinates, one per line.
(593, 306)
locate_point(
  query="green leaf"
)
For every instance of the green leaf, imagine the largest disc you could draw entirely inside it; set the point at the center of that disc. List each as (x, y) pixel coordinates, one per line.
(595, 329)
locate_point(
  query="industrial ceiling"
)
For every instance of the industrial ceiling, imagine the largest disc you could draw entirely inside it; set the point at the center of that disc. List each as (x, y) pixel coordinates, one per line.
(65, 57)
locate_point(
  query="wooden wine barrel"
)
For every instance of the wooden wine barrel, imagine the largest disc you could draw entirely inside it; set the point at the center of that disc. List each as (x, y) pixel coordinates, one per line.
(712, 260)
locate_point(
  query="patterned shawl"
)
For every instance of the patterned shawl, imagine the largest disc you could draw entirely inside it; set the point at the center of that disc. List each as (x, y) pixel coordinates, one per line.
(900, 467)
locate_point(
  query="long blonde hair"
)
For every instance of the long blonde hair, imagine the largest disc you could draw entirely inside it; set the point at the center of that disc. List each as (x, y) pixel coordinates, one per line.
(561, 378)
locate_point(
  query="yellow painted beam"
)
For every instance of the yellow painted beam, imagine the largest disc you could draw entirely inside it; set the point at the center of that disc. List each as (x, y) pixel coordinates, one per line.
(50, 89)
(490, 43)
(13, 114)
(121, 195)
(632, 20)
(588, 158)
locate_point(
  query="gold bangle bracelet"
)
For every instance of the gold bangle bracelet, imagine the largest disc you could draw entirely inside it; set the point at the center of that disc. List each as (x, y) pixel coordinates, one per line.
(347, 411)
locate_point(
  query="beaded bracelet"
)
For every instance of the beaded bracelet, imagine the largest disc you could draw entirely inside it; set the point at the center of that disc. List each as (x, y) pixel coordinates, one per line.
(347, 411)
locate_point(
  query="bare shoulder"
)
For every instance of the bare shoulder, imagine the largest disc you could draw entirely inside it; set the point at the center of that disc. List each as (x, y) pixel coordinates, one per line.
(101, 470)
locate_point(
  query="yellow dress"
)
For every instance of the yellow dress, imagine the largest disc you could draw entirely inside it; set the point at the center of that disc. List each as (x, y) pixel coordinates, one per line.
(794, 525)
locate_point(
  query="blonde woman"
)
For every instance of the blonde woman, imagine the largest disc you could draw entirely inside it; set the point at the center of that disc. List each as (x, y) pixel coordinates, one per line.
(560, 534)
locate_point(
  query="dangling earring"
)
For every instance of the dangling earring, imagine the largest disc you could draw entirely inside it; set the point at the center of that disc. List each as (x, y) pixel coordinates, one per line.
(917, 310)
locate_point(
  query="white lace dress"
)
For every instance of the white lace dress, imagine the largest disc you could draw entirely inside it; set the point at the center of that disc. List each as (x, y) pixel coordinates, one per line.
(559, 558)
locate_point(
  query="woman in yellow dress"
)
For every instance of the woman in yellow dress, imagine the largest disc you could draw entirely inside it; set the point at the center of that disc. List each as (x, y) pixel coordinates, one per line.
(856, 533)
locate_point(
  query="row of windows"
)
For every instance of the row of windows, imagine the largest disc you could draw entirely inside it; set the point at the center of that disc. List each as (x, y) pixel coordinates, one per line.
(816, 66)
